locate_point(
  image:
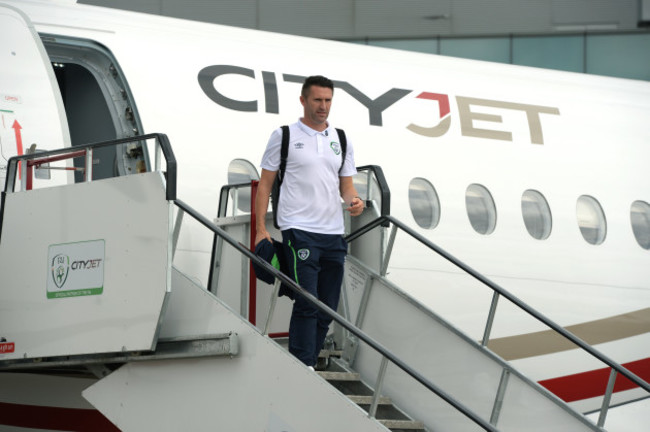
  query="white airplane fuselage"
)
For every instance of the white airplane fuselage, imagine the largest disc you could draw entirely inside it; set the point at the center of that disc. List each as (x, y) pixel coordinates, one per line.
(218, 93)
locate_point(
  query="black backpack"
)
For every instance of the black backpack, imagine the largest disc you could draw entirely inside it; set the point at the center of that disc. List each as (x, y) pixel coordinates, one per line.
(284, 153)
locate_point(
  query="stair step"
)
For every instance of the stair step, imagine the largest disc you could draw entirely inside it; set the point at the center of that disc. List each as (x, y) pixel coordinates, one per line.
(367, 400)
(350, 384)
(402, 424)
(330, 353)
(339, 376)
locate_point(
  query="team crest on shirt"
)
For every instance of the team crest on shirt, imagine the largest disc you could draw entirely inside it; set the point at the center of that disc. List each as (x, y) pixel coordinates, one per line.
(336, 147)
(303, 254)
(299, 146)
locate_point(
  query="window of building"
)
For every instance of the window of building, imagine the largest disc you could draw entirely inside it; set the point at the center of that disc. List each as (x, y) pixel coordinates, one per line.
(424, 203)
(536, 214)
(640, 218)
(591, 220)
(496, 49)
(481, 210)
(556, 52)
(619, 55)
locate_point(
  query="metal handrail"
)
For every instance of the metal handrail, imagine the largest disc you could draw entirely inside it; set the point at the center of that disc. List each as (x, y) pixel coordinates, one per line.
(384, 190)
(336, 317)
(222, 209)
(51, 155)
(503, 292)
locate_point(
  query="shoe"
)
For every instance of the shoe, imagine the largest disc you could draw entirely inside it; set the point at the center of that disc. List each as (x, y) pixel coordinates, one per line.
(311, 368)
(322, 363)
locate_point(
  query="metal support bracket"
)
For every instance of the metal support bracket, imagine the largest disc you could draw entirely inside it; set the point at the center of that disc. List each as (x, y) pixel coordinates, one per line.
(226, 344)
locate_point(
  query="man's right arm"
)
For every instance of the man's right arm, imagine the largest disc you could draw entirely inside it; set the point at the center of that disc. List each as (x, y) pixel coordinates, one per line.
(262, 204)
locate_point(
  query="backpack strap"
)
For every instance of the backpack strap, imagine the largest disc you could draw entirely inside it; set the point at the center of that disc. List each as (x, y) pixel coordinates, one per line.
(284, 152)
(344, 146)
(275, 189)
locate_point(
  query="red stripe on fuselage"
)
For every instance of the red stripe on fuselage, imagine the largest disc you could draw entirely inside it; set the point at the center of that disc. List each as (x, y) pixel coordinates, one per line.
(54, 418)
(592, 384)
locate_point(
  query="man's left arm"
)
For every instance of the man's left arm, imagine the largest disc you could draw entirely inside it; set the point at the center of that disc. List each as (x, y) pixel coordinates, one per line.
(351, 196)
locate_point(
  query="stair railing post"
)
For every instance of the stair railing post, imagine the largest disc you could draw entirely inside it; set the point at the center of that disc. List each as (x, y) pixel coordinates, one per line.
(380, 383)
(368, 184)
(490, 320)
(363, 305)
(157, 156)
(23, 176)
(89, 164)
(607, 398)
(498, 400)
(389, 251)
(235, 201)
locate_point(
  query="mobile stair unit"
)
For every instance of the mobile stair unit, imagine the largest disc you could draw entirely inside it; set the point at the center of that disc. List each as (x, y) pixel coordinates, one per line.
(96, 318)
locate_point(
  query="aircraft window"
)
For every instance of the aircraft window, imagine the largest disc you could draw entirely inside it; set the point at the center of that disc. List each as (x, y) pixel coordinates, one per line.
(424, 202)
(242, 171)
(481, 210)
(640, 217)
(537, 214)
(591, 220)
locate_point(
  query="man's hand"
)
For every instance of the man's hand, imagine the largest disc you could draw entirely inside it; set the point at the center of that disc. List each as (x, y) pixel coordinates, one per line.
(262, 235)
(356, 206)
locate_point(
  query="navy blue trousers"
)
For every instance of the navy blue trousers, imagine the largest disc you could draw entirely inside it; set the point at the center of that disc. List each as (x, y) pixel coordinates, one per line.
(316, 263)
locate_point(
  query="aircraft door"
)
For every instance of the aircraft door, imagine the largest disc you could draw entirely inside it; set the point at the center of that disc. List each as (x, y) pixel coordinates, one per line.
(98, 103)
(31, 109)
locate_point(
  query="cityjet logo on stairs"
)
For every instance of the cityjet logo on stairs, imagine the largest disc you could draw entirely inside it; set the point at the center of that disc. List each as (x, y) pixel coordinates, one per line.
(76, 269)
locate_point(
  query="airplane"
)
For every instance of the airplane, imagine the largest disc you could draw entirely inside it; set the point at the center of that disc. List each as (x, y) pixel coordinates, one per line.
(537, 179)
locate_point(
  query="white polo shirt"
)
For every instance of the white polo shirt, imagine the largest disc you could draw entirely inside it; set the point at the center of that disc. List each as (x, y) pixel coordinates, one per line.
(310, 198)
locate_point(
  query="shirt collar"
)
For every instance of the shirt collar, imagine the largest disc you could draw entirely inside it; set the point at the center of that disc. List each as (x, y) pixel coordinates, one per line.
(311, 132)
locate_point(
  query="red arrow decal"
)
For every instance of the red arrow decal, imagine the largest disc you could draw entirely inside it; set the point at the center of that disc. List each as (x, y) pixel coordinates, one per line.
(19, 141)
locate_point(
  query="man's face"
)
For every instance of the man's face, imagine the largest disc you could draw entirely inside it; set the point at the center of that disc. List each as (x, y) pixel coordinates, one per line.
(317, 106)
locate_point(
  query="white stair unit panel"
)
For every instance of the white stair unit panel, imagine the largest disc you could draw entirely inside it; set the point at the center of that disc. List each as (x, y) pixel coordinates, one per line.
(107, 289)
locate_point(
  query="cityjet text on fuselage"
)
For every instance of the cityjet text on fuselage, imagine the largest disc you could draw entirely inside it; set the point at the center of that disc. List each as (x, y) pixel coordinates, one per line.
(467, 106)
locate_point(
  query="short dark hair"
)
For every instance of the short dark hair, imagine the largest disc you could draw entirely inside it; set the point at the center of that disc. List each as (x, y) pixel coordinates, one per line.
(316, 80)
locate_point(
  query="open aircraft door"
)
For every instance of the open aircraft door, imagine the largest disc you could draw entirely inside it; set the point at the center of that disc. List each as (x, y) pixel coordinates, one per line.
(31, 108)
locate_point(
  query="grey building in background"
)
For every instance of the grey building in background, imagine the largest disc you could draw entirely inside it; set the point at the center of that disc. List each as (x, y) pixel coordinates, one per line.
(604, 37)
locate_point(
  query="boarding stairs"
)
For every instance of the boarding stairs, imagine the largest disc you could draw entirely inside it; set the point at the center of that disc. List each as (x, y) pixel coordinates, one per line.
(119, 297)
